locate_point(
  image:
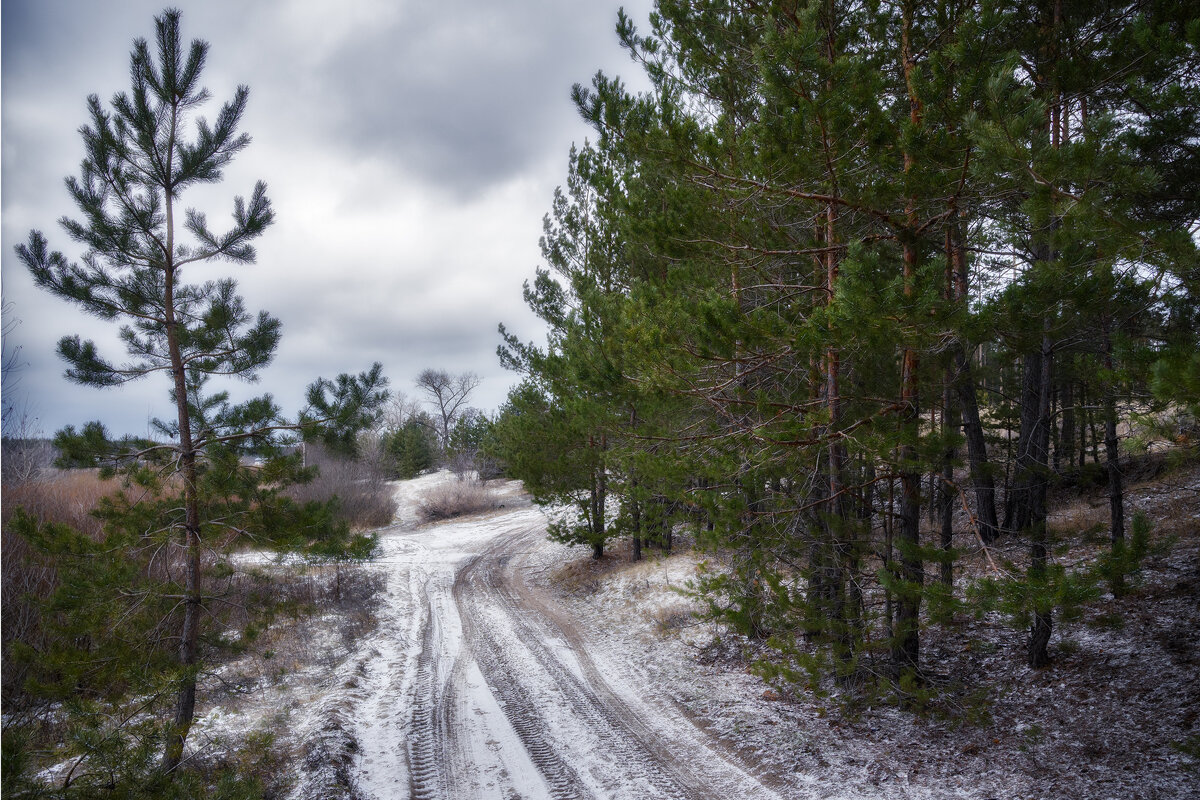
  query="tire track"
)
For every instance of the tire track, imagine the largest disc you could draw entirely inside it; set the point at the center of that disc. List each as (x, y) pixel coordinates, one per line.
(479, 684)
(499, 670)
(382, 675)
(426, 727)
(489, 579)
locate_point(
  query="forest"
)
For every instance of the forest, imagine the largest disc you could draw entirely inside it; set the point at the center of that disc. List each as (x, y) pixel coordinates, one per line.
(846, 301)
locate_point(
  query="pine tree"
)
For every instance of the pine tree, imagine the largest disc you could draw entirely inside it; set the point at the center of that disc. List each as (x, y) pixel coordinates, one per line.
(830, 213)
(140, 159)
(576, 295)
(1089, 222)
(412, 448)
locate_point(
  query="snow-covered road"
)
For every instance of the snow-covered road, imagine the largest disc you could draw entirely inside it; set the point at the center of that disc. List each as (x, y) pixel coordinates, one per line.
(477, 684)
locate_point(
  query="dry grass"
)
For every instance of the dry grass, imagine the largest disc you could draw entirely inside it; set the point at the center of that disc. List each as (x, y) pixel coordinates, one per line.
(672, 617)
(1169, 498)
(1080, 517)
(239, 598)
(584, 574)
(456, 499)
(65, 497)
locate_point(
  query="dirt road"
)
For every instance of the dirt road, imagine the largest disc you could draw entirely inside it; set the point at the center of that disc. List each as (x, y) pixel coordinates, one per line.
(476, 684)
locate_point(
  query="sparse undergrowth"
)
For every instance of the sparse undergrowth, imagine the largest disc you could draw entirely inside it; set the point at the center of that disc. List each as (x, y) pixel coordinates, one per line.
(242, 745)
(253, 698)
(279, 623)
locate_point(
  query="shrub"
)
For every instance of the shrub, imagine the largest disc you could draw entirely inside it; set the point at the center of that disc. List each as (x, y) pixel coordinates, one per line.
(26, 459)
(455, 499)
(365, 499)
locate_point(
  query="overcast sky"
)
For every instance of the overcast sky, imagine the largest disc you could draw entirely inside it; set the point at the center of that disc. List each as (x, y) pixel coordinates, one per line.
(410, 148)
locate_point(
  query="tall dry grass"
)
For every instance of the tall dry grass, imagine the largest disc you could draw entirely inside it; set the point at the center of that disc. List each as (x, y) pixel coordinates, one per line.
(239, 598)
(62, 496)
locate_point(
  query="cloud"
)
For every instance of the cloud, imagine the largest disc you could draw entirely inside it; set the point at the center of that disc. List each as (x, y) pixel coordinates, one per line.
(464, 95)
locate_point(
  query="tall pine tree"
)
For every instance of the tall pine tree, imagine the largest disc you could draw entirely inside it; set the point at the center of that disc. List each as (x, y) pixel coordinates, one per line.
(141, 155)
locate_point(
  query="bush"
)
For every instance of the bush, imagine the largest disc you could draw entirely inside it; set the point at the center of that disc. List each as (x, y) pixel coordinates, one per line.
(456, 499)
(365, 499)
(26, 459)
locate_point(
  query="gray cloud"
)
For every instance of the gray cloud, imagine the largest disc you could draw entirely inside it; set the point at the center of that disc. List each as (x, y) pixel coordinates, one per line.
(464, 94)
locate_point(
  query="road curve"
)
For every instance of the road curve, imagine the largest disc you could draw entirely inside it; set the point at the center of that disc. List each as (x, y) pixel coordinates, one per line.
(477, 684)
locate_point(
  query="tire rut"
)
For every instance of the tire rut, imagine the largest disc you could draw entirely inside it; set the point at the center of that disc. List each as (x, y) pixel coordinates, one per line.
(628, 743)
(498, 670)
(484, 687)
(431, 742)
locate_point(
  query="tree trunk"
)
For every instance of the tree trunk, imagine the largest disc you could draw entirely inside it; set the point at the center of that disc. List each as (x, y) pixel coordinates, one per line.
(1116, 490)
(1037, 468)
(1083, 425)
(855, 623)
(1028, 459)
(189, 634)
(599, 500)
(1036, 455)
(906, 643)
(635, 514)
(846, 600)
(978, 466)
(945, 495)
(906, 646)
(979, 469)
(1068, 421)
(822, 562)
(1055, 435)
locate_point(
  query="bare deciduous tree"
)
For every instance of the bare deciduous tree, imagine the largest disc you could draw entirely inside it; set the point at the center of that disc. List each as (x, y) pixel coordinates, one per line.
(448, 394)
(25, 453)
(397, 411)
(10, 367)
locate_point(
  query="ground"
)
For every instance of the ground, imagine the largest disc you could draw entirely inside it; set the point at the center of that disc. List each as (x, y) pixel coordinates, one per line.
(494, 663)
